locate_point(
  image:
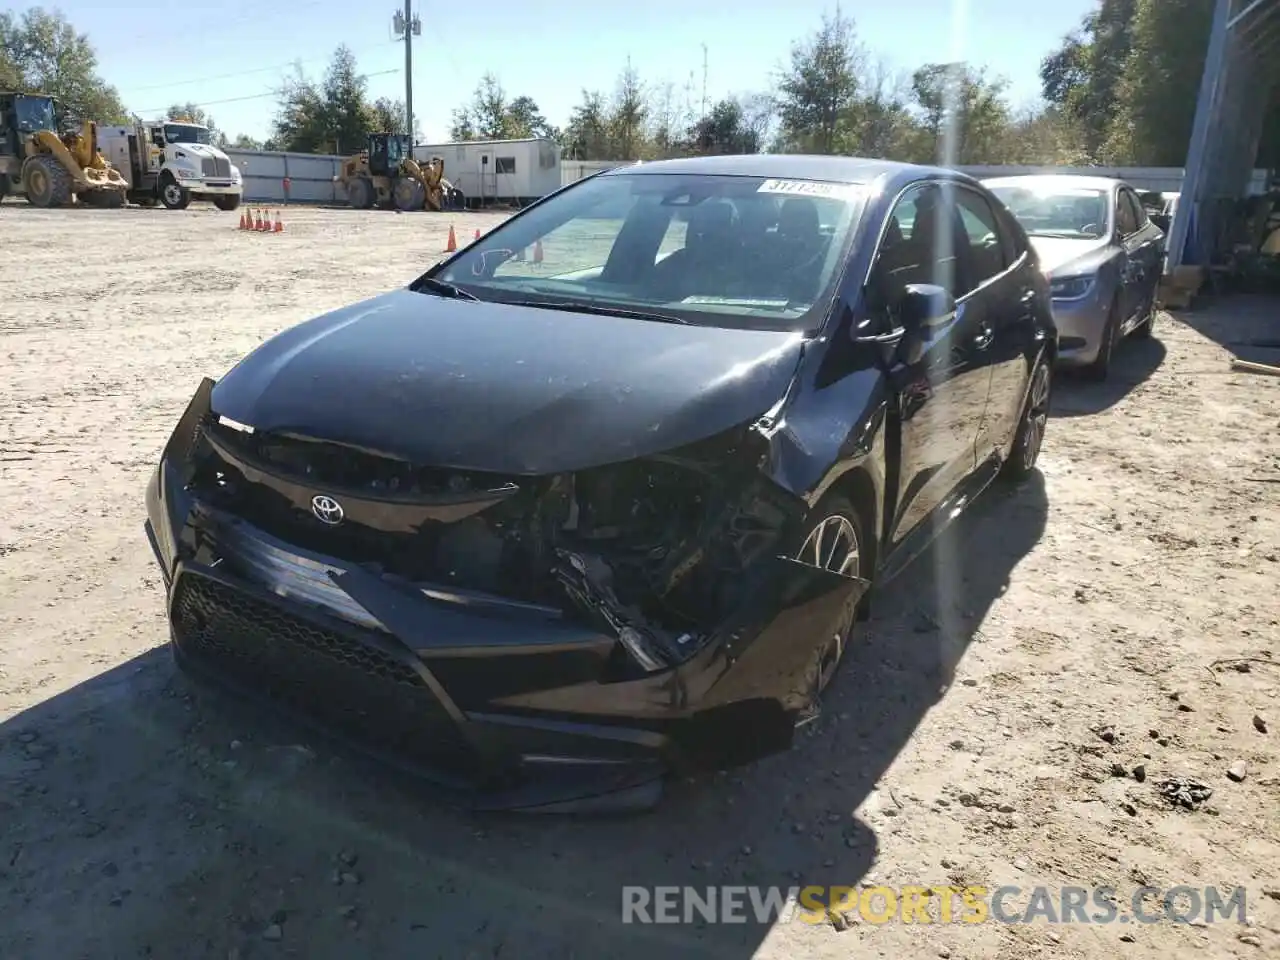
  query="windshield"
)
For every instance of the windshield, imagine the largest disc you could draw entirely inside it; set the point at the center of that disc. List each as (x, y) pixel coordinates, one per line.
(34, 114)
(1048, 210)
(185, 133)
(716, 250)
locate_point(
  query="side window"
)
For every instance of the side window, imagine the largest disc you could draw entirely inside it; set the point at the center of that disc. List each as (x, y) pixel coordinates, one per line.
(985, 255)
(1126, 223)
(1139, 212)
(918, 246)
(504, 165)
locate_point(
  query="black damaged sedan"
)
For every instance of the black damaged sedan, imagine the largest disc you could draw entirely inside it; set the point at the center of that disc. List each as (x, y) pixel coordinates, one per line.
(600, 497)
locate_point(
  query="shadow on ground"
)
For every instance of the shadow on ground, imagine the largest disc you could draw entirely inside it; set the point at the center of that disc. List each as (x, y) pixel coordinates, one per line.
(1133, 364)
(143, 817)
(1248, 325)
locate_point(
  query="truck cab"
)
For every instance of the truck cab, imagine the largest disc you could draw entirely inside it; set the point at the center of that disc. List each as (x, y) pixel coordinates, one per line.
(172, 162)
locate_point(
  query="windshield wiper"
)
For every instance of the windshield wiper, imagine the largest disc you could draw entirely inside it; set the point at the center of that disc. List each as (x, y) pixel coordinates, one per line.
(576, 306)
(440, 288)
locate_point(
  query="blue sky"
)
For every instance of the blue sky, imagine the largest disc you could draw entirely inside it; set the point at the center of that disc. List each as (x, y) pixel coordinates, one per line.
(157, 53)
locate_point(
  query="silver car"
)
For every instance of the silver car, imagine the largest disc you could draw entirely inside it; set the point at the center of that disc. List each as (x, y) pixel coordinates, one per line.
(1102, 254)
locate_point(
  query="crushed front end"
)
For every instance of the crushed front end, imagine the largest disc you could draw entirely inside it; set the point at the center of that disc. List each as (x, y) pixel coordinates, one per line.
(541, 642)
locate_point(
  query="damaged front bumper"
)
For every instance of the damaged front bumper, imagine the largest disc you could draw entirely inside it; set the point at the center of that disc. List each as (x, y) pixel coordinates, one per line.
(516, 705)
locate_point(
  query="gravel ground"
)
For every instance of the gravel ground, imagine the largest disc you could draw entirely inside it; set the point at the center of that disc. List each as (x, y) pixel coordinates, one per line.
(985, 731)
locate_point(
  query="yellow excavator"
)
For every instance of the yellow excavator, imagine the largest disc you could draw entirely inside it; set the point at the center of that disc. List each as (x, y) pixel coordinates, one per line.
(52, 168)
(385, 174)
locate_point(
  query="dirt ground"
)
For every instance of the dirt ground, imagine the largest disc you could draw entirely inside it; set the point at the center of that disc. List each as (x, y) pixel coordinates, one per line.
(1059, 630)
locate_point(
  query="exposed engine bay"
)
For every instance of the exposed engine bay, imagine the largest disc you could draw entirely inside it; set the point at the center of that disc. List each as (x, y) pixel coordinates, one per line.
(657, 551)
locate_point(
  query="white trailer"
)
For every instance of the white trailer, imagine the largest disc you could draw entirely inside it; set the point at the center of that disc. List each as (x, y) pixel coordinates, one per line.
(498, 171)
(171, 162)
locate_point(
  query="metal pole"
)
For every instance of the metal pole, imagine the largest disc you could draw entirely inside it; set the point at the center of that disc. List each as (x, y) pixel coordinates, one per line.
(408, 71)
(1194, 175)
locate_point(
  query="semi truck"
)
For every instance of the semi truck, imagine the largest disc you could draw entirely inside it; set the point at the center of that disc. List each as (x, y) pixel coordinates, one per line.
(171, 162)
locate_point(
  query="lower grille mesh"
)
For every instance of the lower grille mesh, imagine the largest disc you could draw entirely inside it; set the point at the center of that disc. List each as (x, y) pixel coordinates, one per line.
(354, 689)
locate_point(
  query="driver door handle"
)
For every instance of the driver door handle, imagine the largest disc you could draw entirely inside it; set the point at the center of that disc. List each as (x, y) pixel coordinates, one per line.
(984, 337)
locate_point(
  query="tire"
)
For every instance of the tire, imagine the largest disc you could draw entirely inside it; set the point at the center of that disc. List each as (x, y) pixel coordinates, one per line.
(173, 195)
(1029, 439)
(227, 201)
(1100, 369)
(360, 193)
(831, 524)
(46, 183)
(408, 195)
(5, 186)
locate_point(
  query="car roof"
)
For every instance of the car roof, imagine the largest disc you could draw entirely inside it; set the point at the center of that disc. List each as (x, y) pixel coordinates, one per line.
(1069, 181)
(853, 170)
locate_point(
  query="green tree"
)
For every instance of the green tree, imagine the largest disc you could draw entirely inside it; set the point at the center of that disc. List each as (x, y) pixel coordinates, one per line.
(348, 116)
(242, 141)
(388, 116)
(301, 123)
(194, 114)
(525, 119)
(1082, 78)
(493, 115)
(1156, 98)
(817, 88)
(964, 116)
(586, 136)
(627, 116)
(41, 52)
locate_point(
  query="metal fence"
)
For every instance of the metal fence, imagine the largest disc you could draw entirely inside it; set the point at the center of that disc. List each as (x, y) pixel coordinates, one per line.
(310, 176)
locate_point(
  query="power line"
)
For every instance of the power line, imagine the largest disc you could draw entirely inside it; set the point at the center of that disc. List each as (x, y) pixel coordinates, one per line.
(245, 73)
(256, 96)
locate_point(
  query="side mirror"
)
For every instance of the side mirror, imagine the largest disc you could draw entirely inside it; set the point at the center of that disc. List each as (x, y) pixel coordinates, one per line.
(925, 306)
(922, 307)
(490, 260)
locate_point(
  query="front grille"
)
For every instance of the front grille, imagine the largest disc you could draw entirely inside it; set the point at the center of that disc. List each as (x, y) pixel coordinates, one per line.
(215, 167)
(353, 688)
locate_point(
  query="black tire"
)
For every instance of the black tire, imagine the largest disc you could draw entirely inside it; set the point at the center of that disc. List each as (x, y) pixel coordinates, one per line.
(360, 193)
(173, 195)
(227, 201)
(46, 182)
(1029, 439)
(1100, 369)
(836, 517)
(5, 186)
(408, 195)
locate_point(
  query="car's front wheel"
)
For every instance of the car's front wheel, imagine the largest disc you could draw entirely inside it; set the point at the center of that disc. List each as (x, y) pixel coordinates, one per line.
(1029, 439)
(833, 541)
(1100, 369)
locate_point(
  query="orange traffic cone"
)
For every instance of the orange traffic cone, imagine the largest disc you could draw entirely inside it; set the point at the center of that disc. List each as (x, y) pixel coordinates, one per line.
(257, 222)
(537, 252)
(242, 220)
(279, 223)
(266, 221)
(452, 245)
(477, 236)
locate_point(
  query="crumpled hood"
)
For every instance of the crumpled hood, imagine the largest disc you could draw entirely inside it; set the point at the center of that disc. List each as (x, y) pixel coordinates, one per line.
(1062, 256)
(492, 387)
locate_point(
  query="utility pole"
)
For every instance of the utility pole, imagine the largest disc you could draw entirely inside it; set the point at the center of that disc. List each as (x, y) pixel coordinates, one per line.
(704, 79)
(407, 23)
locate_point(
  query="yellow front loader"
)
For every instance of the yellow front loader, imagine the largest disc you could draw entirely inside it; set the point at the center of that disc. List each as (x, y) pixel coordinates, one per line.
(52, 169)
(386, 175)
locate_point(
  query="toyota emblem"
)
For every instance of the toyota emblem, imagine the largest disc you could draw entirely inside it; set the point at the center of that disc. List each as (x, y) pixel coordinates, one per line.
(326, 509)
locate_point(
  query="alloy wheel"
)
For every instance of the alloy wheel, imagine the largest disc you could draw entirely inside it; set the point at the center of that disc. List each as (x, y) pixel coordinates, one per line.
(1037, 416)
(833, 545)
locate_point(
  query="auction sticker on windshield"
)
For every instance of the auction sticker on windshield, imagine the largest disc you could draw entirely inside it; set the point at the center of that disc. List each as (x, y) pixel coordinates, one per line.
(810, 188)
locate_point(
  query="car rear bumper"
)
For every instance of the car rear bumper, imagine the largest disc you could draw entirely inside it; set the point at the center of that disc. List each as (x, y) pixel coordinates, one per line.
(499, 703)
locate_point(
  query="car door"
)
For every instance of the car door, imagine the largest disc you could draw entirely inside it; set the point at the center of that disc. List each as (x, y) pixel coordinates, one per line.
(1145, 246)
(1000, 306)
(939, 396)
(1126, 240)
